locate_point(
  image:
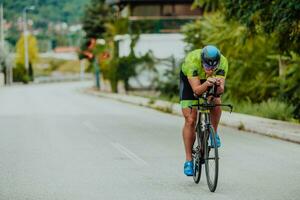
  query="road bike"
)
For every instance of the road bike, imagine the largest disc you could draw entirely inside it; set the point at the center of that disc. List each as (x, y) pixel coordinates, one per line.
(203, 152)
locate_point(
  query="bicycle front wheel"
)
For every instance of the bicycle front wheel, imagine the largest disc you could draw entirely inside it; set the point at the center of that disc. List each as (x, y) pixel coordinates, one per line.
(197, 157)
(211, 159)
(197, 168)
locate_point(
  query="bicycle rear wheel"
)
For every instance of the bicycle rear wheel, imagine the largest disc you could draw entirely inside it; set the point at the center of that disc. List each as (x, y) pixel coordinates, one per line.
(211, 160)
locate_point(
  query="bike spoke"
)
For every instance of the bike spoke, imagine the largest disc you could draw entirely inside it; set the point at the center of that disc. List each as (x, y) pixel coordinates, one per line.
(212, 158)
(211, 163)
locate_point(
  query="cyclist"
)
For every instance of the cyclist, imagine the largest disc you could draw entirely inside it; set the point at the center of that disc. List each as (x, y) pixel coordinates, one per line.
(208, 64)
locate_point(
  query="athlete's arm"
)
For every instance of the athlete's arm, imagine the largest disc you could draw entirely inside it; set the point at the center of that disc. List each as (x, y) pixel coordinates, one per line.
(221, 75)
(199, 88)
(221, 84)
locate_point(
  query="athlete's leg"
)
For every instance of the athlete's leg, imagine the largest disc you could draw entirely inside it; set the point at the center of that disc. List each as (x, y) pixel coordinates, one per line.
(188, 132)
(216, 114)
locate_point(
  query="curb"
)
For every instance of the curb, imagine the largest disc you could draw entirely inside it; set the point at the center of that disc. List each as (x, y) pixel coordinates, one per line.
(63, 78)
(259, 125)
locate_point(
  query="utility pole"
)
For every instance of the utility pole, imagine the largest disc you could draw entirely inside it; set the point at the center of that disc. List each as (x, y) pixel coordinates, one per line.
(2, 26)
(25, 39)
(8, 69)
(25, 32)
(82, 65)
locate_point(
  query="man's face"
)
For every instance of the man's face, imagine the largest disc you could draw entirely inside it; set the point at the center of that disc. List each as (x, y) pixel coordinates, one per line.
(208, 70)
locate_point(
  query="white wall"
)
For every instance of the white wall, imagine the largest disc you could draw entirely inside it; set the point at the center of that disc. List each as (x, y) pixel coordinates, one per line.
(162, 46)
(1, 79)
(63, 56)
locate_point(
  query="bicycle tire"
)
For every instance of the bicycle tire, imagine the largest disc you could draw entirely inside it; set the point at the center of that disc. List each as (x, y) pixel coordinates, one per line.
(212, 181)
(197, 158)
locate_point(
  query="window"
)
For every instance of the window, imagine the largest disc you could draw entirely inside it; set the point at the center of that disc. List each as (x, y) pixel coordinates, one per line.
(184, 9)
(163, 10)
(167, 10)
(148, 10)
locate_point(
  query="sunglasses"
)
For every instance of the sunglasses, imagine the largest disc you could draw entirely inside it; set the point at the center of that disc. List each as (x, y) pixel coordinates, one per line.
(208, 67)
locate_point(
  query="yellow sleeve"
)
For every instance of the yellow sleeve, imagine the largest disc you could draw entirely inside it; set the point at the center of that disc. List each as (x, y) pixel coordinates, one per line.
(190, 67)
(223, 68)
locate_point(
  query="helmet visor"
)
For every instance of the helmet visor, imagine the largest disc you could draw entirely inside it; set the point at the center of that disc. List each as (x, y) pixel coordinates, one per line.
(209, 67)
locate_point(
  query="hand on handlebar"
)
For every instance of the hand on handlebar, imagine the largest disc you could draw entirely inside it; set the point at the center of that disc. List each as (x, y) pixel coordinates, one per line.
(214, 85)
(218, 81)
(211, 81)
(215, 81)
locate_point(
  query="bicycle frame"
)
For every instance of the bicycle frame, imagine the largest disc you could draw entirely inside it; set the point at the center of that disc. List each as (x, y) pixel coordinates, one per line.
(204, 129)
(203, 116)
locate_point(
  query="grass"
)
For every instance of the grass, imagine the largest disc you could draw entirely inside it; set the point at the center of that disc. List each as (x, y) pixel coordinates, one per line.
(272, 109)
(173, 99)
(45, 66)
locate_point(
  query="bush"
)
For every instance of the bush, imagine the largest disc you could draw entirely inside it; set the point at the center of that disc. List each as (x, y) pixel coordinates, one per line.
(291, 89)
(55, 64)
(275, 109)
(20, 74)
(123, 68)
(251, 72)
(126, 68)
(255, 73)
(170, 86)
(271, 108)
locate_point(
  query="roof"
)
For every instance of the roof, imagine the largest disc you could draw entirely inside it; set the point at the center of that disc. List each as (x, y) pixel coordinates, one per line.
(148, 1)
(65, 49)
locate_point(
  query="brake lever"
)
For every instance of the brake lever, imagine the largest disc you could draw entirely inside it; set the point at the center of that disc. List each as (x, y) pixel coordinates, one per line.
(228, 105)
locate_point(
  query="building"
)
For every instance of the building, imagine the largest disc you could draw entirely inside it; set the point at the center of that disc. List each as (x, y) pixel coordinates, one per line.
(158, 22)
(157, 16)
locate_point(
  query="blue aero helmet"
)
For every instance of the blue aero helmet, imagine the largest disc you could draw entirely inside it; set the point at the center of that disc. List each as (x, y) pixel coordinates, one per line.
(210, 57)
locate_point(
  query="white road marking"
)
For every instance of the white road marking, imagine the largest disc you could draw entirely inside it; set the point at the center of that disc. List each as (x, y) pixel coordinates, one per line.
(119, 147)
(129, 154)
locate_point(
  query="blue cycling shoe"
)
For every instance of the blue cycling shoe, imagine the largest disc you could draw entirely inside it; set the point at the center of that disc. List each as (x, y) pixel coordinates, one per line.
(189, 168)
(218, 141)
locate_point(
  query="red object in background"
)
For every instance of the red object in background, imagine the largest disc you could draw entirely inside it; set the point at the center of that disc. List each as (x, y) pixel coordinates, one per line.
(104, 55)
(92, 43)
(62, 49)
(88, 54)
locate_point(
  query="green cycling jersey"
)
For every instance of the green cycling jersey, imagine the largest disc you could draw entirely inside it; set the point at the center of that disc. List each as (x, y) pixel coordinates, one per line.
(192, 66)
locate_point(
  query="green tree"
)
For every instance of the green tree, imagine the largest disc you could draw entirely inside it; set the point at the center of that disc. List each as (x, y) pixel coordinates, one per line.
(96, 15)
(261, 39)
(127, 66)
(32, 55)
(47, 15)
(208, 5)
(69, 11)
(280, 20)
(291, 89)
(169, 86)
(278, 17)
(118, 26)
(252, 73)
(32, 50)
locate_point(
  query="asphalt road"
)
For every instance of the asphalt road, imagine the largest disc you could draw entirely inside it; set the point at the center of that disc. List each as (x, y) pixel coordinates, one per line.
(59, 143)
